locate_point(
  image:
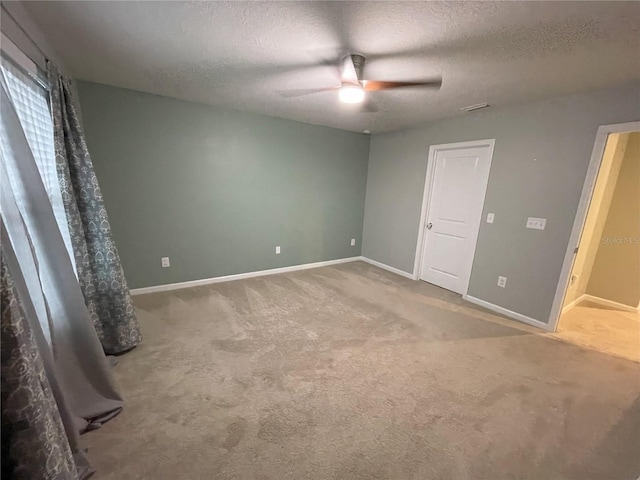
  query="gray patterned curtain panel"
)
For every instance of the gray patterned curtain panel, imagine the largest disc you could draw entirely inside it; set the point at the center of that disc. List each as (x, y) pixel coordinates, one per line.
(97, 262)
(34, 441)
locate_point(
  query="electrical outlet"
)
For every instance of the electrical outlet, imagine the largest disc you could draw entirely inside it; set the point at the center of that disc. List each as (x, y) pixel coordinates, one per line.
(536, 223)
(353, 242)
(277, 249)
(502, 282)
(490, 217)
(165, 262)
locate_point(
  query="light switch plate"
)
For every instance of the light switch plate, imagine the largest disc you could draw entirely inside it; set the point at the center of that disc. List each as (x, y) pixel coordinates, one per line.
(490, 217)
(353, 242)
(536, 223)
(278, 250)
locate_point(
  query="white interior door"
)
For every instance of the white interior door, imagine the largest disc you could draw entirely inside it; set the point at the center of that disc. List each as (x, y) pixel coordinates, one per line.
(458, 175)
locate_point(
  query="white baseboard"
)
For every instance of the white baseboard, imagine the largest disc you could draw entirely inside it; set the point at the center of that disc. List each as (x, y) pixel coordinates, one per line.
(397, 271)
(506, 312)
(570, 305)
(606, 303)
(238, 276)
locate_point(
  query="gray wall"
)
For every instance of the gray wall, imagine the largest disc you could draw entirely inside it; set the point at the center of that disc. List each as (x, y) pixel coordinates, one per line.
(217, 190)
(559, 134)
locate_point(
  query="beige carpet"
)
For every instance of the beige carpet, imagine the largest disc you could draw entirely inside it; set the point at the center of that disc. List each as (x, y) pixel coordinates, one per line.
(350, 372)
(606, 330)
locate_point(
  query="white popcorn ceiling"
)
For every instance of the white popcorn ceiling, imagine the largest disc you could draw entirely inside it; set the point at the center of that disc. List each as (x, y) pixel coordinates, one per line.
(239, 55)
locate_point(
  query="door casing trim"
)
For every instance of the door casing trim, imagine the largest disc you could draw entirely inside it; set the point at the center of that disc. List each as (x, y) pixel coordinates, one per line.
(426, 197)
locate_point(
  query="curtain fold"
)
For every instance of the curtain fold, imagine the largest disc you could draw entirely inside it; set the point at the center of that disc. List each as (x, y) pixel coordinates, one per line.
(97, 261)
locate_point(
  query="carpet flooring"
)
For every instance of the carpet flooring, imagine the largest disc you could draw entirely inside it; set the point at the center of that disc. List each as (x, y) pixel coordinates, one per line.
(350, 372)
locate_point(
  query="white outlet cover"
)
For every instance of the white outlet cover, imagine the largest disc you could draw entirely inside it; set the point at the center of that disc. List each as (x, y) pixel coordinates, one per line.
(165, 262)
(502, 282)
(278, 250)
(353, 242)
(490, 217)
(536, 223)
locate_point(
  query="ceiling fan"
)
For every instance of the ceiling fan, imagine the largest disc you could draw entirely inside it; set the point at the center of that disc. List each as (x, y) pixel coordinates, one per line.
(353, 86)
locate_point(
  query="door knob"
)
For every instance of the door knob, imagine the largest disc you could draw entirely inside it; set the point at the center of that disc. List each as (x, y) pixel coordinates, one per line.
(429, 225)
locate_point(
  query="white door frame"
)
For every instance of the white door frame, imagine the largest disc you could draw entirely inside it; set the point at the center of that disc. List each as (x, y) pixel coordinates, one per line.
(581, 214)
(426, 197)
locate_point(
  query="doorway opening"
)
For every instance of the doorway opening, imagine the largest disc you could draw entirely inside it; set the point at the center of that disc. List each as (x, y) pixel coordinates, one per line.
(600, 305)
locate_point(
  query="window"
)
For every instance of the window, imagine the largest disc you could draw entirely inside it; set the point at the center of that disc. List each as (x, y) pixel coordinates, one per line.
(32, 107)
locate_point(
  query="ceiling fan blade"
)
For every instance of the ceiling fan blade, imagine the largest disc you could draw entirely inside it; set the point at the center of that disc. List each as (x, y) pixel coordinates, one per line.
(348, 71)
(299, 92)
(374, 86)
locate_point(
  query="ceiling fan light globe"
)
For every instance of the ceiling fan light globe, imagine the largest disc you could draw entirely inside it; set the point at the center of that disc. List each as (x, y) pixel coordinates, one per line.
(351, 94)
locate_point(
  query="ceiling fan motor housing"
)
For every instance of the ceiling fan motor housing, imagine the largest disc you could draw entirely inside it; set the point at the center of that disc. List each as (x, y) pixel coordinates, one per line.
(358, 64)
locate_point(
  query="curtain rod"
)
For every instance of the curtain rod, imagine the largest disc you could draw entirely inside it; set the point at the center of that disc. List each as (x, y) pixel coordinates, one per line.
(29, 37)
(20, 60)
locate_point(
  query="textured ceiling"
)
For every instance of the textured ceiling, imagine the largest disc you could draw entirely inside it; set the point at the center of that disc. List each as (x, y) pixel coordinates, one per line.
(241, 54)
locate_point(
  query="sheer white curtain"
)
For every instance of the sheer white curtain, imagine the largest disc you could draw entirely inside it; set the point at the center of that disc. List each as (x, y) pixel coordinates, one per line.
(30, 104)
(32, 107)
